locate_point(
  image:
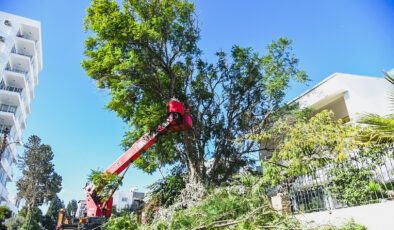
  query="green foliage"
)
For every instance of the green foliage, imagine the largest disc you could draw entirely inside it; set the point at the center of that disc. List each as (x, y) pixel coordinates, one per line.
(34, 216)
(304, 144)
(349, 225)
(39, 182)
(5, 213)
(145, 52)
(382, 127)
(104, 183)
(71, 208)
(168, 188)
(350, 184)
(353, 182)
(124, 222)
(15, 223)
(50, 219)
(164, 192)
(240, 204)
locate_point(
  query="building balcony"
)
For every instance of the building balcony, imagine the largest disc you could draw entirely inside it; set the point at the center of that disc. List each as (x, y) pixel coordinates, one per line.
(26, 36)
(8, 108)
(14, 80)
(14, 97)
(7, 168)
(18, 71)
(3, 193)
(8, 118)
(3, 86)
(19, 63)
(23, 53)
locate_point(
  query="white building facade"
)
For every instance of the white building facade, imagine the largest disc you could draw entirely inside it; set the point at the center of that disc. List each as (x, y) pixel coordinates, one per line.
(348, 96)
(20, 63)
(125, 199)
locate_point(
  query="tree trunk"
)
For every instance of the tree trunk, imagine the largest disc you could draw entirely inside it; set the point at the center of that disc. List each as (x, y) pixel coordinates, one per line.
(194, 166)
(193, 175)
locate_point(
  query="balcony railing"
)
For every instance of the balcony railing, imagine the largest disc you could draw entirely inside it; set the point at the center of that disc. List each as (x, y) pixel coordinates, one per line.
(9, 68)
(20, 35)
(3, 86)
(8, 108)
(14, 51)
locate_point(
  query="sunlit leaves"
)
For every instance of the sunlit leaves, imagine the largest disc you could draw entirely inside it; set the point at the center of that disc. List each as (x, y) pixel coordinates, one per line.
(306, 144)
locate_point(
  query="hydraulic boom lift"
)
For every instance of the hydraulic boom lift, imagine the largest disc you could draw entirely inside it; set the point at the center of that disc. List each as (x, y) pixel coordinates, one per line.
(97, 210)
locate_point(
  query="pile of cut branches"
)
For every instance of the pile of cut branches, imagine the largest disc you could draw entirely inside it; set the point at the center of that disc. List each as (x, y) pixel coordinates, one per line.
(241, 204)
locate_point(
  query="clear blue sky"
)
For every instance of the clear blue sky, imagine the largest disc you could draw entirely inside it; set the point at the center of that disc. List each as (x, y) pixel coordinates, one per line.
(68, 112)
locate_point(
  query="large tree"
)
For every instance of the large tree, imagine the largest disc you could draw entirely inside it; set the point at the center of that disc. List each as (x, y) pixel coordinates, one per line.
(146, 52)
(39, 182)
(50, 218)
(71, 208)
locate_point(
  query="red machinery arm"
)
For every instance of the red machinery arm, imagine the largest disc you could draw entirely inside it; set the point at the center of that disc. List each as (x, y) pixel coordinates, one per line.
(177, 120)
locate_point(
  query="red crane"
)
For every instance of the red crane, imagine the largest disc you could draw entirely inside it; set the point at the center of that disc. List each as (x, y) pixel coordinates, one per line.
(97, 210)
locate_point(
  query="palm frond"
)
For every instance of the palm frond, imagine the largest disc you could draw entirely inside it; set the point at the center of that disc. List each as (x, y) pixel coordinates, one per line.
(382, 128)
(389, 77)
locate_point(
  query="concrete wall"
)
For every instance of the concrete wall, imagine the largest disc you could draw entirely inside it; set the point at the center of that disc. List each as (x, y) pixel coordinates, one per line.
(378, 216)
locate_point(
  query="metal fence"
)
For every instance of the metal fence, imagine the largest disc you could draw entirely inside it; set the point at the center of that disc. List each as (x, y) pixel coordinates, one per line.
(357, 181)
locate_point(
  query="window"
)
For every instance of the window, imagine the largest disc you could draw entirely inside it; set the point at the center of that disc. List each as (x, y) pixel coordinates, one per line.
(124, 199)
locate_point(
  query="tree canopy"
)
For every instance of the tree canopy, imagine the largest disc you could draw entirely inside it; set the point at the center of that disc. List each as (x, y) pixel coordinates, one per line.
(145, 52)
(39, 182)
(303, 142)
(5, 213)
(50, 218)
(71, 208)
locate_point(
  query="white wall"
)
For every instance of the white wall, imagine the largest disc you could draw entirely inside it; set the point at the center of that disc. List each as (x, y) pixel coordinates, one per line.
(362, 94)
(123, 199)
(378, 216)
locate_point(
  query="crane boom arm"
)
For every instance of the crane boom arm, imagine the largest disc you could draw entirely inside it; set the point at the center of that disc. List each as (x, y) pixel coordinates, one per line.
(94, 208)
(176, 121)
(140, 146)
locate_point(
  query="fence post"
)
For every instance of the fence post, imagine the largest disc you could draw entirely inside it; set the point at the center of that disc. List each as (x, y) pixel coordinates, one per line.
(281, 203)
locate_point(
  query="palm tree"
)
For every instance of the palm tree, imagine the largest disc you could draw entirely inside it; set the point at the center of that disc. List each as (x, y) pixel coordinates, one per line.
(382, 127)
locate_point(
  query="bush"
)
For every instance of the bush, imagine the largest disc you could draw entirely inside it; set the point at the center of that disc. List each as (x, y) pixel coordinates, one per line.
(126, 221)
(15, 223)
(5, 213)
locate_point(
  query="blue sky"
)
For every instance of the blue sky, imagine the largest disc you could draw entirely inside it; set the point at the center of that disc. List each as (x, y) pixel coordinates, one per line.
(68, 112)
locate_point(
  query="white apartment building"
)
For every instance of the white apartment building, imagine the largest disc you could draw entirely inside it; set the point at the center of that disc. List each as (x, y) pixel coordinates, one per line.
(20, 63)
(125, 199)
